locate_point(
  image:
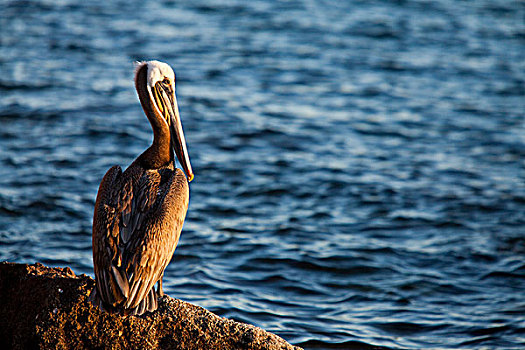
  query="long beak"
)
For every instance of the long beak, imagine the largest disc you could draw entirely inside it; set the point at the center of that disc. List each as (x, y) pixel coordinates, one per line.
(167, 103)
(177, 140)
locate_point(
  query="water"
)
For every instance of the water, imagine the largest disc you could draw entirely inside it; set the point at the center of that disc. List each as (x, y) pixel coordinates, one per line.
(359, 165)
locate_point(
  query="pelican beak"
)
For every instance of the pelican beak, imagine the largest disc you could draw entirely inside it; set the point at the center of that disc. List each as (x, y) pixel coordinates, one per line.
(167, 103)
(178, 142)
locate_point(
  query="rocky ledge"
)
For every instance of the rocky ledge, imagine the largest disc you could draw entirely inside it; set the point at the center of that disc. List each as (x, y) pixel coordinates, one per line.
(48, 308)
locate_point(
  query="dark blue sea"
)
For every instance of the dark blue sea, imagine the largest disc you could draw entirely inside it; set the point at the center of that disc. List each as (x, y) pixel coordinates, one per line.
(359, 165)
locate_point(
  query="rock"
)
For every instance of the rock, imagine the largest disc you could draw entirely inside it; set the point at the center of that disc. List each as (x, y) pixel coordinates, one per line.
(48, 308)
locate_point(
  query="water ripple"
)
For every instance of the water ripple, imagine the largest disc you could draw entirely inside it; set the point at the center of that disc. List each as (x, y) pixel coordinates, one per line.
(359, 165)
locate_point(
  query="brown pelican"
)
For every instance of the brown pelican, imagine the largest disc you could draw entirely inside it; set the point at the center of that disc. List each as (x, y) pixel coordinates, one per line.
(139, 212)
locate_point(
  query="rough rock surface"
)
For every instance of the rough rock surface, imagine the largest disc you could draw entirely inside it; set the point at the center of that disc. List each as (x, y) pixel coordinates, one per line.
(48, 308)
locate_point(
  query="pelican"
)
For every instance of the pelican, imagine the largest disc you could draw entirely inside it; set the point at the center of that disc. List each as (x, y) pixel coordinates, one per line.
(139, 212)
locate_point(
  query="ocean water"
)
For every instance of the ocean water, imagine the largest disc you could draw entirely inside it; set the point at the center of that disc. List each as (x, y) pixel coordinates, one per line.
(359, 165)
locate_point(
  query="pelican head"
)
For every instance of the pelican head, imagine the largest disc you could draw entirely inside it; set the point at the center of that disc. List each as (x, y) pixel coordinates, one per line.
(155, 84)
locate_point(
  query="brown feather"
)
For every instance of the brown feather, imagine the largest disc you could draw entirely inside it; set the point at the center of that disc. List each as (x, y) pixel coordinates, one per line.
(130, 255)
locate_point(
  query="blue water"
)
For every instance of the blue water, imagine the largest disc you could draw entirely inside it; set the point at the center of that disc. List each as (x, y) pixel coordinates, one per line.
(360, 165)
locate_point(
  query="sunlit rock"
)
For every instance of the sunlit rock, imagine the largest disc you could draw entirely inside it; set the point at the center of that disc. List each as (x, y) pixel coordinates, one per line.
(48, 308)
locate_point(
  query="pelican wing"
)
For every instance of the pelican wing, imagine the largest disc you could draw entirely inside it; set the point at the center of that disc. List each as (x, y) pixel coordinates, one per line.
(104, 244)
(138, 221)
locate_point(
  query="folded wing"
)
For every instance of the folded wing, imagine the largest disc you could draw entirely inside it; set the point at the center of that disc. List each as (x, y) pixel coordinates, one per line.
(137, 223)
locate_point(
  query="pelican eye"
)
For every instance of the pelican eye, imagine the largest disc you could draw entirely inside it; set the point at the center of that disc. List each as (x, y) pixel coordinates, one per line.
(166, 81)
